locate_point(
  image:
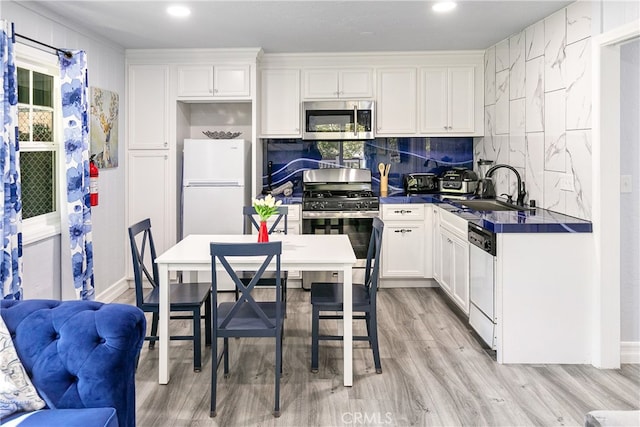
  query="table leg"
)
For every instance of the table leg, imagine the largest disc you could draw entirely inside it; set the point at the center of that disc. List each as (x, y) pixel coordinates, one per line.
(347, 290)
(163, 325)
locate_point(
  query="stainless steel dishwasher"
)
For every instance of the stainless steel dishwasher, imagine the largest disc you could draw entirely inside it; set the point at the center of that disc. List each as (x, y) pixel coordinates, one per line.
(482, 283)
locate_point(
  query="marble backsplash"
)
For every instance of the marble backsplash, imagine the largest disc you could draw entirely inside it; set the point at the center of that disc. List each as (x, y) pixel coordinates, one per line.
(538, 111)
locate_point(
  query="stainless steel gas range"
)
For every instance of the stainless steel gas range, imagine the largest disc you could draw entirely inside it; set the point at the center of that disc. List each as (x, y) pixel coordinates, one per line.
(338, 201)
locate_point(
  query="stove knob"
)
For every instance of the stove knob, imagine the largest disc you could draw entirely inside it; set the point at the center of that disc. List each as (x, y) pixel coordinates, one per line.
(487, 245)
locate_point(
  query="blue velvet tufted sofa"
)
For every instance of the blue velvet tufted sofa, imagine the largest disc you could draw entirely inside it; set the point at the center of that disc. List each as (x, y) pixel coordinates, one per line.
(81, 357)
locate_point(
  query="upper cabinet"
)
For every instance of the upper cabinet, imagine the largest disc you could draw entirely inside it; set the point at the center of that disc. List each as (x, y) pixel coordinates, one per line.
(396, 101)
(214, 81)
(447, 100)
(148, 96)
(335, 83)
(280, 103)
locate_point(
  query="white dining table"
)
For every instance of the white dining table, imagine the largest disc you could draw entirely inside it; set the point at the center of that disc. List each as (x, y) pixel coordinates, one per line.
(305, 252)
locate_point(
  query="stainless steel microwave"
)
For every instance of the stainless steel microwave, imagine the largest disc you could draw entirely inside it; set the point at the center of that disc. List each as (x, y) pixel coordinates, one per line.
(345, 120)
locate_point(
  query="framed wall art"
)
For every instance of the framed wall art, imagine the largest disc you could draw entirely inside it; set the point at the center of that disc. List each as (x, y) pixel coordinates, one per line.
(103, 127)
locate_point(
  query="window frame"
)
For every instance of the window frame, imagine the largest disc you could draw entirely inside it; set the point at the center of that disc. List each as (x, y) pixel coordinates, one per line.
(44, 226)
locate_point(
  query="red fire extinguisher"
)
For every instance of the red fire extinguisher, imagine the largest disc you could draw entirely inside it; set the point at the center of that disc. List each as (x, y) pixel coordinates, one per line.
(93, 182)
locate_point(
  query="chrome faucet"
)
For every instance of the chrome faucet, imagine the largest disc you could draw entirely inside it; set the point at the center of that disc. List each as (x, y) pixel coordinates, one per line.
(521, 188)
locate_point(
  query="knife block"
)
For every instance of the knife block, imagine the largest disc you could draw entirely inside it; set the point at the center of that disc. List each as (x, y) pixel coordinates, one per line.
(384, 185)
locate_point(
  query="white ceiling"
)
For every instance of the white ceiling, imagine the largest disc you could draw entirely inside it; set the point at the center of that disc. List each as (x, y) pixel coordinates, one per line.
(304, 26)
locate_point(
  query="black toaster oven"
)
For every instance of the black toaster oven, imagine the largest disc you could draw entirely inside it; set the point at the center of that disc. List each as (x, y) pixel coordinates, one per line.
(420, 183)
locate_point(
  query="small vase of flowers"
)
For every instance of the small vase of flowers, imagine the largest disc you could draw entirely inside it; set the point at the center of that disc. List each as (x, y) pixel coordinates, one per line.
(265, 208)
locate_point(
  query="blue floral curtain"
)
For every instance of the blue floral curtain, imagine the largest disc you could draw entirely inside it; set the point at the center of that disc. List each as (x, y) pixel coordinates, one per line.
(73, 81)
(10, 194)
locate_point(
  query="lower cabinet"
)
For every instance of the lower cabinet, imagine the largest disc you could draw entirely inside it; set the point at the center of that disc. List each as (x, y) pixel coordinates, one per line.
(451, 256)
(149, 195)
(403, 243)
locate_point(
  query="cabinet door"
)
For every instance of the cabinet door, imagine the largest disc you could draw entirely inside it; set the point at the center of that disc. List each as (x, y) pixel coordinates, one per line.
(332, 84)
(149, 194)
(232, 81)
(460, 272)
(437, 246)
(447, 100)
(403, 249)
(434, 94)
(280, 103)
(148, 92)
(461, 99)
(396, 109)
(196, 80)
(355, 84)
(446, 261)
(321, 84)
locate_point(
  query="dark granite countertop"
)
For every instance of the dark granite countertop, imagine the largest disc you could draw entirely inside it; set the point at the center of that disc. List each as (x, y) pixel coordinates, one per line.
(536, 220)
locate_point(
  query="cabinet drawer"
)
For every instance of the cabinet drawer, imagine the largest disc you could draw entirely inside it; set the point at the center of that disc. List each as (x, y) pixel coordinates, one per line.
(407, 212)
(294, 213)
(453, 223)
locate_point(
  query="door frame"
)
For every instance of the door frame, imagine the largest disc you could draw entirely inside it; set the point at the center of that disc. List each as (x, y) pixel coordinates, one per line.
(606, 193)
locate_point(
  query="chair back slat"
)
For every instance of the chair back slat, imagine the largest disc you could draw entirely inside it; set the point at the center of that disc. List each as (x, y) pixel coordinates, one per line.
(250, 213)
(372, 269)
(143, 255)
(221, 252)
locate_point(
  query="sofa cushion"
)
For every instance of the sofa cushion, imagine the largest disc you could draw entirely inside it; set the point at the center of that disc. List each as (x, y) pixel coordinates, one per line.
(80, 354)
(17, 393)
(98, 417)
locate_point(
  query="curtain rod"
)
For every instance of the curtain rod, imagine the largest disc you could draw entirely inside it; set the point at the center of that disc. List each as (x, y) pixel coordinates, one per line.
(67, 53)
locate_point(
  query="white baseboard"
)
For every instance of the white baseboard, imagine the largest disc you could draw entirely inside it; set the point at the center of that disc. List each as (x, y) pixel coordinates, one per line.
(630, 352)
(114, 291)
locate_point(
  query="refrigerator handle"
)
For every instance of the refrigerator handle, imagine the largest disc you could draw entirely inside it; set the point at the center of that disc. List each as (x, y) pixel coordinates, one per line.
(213, 184)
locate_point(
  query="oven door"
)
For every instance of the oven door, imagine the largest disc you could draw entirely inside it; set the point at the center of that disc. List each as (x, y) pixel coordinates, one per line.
(357, 228)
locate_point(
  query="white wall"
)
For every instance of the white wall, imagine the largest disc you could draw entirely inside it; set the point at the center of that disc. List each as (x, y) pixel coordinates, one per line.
(538, 119)
(42, 275)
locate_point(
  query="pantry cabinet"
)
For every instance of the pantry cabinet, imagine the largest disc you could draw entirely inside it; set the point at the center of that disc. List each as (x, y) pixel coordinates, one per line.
(214, 81)
(447, 103)
(150, 194)
(396, 101)
(280, 103)
(148, 106)
(338, 84)
(403, 242)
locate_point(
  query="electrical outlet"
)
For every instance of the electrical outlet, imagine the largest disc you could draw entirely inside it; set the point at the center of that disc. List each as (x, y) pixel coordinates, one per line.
(566, 183)
(625, 184)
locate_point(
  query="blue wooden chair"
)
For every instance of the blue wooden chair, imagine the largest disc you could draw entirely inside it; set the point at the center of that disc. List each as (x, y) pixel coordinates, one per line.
(268, 278)
(246, 317)
(328, 297)
(185, 297)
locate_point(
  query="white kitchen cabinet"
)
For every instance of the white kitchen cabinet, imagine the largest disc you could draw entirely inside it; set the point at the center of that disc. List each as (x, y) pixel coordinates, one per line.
(403, 243)
(451, 257)
(214, 81)
(280, 103)
(149, 194)
(396, 101)
(148, 106)
(335, 83)
(447, 100)
(436, 245)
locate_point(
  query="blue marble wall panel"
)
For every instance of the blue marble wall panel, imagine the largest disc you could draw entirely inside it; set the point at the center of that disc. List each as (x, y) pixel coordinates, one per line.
(405, 155)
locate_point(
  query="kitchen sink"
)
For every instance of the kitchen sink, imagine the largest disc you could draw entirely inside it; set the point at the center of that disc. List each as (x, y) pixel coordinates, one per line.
(490, 205)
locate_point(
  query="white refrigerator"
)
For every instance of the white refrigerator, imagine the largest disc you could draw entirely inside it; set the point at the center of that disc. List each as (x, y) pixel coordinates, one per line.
(215, 186)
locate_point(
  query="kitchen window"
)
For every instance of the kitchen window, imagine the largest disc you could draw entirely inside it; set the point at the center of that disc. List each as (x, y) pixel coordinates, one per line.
(39, 139)
(341, 153)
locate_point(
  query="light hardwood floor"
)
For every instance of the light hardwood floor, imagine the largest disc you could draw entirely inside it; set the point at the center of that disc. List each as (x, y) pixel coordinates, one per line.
(434, 374)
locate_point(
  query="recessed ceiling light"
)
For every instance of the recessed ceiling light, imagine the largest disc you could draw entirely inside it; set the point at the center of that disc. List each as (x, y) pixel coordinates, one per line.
(178, 11)
(444, 6)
